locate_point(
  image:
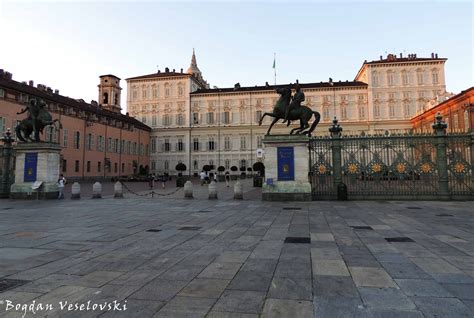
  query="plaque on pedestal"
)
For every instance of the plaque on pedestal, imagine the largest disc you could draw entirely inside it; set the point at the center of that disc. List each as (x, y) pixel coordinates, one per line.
(36, 171)
(286, 168)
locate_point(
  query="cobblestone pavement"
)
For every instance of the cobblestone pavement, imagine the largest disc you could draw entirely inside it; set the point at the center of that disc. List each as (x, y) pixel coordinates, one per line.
(171, 257)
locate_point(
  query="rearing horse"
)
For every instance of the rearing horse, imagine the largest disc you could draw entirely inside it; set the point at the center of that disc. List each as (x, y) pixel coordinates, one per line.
(301, 113)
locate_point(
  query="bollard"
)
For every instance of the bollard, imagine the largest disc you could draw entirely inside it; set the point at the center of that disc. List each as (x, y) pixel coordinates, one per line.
(213, 190)
(238, 192)
(96, 190)
(118, 190)
(76, 190)
(188, 190)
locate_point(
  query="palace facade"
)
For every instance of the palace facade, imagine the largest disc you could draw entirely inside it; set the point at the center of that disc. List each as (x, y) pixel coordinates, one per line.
(198, 125)
(97, 140)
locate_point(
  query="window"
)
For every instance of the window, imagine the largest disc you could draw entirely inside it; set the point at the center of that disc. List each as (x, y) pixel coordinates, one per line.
(123, 167)
(391, 110)
(153, 144)
(167, 91)
(456, 121)
(180, 120)
(76, 166)
(390, 81)
(88, 166)
(434, 76)
(343, 112)
(167, 165)
(325, 113)
(195, 165)
(404, 78)
(361, 112)
(180, 90)
(89, 142)
(77, 140)
(144, 119)
(242, 117)
(2, 92)
(211, 144)
(243, 144)
(406, 95)
(243, 163)
(375, 79)
(143, 93)
(419, 77)
(166, 120)
(134, 95)
(258, 115)
(129, 147)
(134, 148)
(116, 146)
(109, 145)
(180, 145)
(376, 110)
(99, 166)
(226, 117)
(2, 125)
(115, 167)
(64, 165)
(65, 136)
(167, 145)
(122, 147)
(210, 118)
(259, 142)
(227, 164)
(196, 144)
(406, 109)
(154, 91)
(153, 120)
(195, 118)
(227, 143)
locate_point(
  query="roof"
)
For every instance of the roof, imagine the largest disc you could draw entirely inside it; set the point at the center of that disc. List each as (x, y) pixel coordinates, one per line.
(405, 59)
(158, 75)
(78, 104)
(273, 87)
(109, 75)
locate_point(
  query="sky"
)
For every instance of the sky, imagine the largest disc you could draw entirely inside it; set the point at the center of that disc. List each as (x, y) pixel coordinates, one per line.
(67, 45)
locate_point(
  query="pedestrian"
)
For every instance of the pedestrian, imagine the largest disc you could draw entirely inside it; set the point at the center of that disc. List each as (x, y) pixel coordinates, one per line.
(151, 180)
(164, 178)
(215, 177)
(203, 177)
(61, 184)
(227, 178)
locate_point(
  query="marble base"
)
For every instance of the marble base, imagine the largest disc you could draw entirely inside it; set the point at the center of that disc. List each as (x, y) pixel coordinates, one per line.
(47, 171)
(298, 189)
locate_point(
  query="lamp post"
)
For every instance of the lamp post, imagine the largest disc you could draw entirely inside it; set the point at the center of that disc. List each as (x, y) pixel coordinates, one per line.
(7, 155)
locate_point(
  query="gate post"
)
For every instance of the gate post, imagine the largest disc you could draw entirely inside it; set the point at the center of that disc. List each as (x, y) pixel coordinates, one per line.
(441, 160)
(5, 183)
(335, 131)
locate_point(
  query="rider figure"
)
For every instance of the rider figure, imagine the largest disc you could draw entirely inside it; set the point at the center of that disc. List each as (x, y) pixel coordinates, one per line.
(296, 101)
(33, 112)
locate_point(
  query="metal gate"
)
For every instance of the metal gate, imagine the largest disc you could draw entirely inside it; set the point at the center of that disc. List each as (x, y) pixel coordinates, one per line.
(400, 166)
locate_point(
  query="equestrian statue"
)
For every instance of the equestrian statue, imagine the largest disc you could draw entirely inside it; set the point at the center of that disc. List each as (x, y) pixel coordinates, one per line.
(289, 108)
(38, 118)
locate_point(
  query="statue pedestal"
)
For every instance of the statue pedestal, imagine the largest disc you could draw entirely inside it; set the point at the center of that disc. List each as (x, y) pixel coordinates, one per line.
(286, 168)
(36, 171)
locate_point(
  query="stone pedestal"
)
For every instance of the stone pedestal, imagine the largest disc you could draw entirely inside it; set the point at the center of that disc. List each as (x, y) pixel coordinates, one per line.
(38, 161)
(286, 168)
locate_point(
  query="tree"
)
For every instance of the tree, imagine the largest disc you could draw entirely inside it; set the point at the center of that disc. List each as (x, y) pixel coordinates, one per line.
(234, 168)
(221, 169)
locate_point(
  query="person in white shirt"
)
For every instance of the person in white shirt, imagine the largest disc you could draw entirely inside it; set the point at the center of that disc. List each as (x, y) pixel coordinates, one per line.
(203, 177)
(61, 184)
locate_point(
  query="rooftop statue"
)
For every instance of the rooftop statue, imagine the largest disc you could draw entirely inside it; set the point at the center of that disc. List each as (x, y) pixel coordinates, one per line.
(38, 118)
(289, 108)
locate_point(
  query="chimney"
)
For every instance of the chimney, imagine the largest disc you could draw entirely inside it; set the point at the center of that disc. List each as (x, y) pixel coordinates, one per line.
(432, 55)
(174, 71)
(31, 83)
(167, 70)
(49, 90)
(159, 71)
(381, 57)
(436, 55)
(8, 75)
(181, 70)
(23, 82)
(56, 91)
(414, 56)
(2, 72)
(401, 55)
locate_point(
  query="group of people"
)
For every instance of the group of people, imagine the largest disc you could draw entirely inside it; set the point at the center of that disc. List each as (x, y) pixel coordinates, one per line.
(163, 178)
(205, 178)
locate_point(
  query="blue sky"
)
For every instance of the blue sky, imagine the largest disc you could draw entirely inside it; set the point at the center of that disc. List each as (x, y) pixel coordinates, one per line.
(67, 45)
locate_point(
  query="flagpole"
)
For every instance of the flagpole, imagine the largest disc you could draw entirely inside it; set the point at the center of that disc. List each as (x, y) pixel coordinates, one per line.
(274, 67)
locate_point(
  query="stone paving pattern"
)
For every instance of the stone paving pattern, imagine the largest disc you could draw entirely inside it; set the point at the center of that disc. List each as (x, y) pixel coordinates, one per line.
(237, 264)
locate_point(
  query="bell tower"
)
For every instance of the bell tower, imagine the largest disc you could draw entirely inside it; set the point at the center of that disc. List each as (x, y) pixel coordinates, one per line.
(109, 93)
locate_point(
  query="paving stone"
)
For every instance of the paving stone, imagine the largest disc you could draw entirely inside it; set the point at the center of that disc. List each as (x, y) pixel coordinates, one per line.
(256, 281)
(260, 265)
(435, 266)
(461, 291)
(293, 269)
(334, 286)
(324, 237)
(159, 289)
(343, 307)
(136, 308)
(186, 306)
(220, 270)
(182, 272)
(453, 278)
(233, 257)
(221, 314)
(385, 298)
(97, 278)
(422, 287)
(330, 268)
(441, 307)
(325, 254)
(288, 288)
(395, 314)
(371, 277)
(205, 287)
(240, 301)
(287, 308)
(405, 270)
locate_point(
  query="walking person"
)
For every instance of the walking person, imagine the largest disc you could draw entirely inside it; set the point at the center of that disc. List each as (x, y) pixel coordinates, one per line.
(227, 179)
(202, 175)
(61, 184)
(164, 178)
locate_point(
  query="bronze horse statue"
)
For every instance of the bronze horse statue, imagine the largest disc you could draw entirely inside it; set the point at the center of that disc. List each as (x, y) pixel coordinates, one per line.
(38, 118)
(301, 113)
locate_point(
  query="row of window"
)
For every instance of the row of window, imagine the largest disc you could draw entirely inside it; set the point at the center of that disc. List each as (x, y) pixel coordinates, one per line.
(198, 145)
(153, 91)
(404, 77)
(100, 166)
(227, 164)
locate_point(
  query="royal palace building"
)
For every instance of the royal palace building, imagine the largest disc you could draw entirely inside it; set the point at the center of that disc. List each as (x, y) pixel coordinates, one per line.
(198, 125)
(97, 140)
